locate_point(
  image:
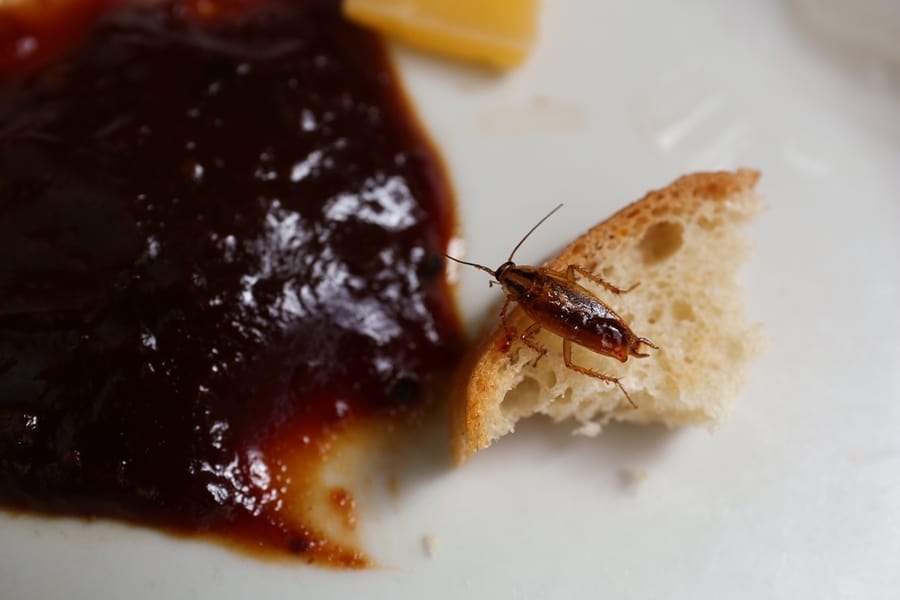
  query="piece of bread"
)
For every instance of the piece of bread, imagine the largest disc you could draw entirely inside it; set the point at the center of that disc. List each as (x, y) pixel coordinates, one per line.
(683, 245)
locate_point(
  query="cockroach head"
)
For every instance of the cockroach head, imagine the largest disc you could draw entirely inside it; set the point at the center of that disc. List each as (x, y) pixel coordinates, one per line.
(498, 274)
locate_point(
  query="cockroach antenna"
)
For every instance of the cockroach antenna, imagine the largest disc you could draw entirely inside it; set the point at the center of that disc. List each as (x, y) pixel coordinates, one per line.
(511, 254)
(471, 264)
(530, 231)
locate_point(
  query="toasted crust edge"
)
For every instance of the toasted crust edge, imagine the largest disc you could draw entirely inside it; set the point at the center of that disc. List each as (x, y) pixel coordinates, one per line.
(477, 383)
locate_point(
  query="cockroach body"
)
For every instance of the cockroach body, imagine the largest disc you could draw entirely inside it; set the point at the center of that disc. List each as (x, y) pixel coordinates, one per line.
(555, 301)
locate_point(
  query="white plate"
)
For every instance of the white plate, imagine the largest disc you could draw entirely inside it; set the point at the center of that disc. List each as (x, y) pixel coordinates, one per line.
(797, 496)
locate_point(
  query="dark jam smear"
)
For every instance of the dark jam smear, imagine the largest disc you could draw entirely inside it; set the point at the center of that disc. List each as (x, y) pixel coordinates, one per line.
(217, 238)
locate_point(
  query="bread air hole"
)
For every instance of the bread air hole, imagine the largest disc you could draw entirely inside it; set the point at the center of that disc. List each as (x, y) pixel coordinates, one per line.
(661, 241)
(683, 311)
(522, 400)
(709, 224)
(565, 400)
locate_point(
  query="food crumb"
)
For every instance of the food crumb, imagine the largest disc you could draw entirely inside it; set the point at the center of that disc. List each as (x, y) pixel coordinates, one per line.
(632, 477)
(429, 545)
(541, 102)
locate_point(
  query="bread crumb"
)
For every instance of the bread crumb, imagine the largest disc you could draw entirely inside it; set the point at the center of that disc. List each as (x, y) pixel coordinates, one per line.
(429, 545)
(632, 477)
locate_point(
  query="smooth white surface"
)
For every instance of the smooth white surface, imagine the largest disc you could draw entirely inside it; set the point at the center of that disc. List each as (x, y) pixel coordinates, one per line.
(796, 496)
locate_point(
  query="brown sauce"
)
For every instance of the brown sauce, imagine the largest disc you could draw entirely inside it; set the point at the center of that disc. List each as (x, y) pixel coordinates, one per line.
(220, 243)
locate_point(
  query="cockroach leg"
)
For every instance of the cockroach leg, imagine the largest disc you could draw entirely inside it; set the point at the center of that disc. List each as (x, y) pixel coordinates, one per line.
(503, 310)
(646, 342)
(530, 332)
(509, 331)
(570, 274)
(567, 357)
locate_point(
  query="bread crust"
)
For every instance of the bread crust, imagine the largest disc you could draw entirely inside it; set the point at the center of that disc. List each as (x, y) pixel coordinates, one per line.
(484, 375)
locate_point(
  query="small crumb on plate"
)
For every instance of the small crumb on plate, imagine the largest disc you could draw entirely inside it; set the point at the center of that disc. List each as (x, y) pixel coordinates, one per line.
(429, 545)
(632, 476)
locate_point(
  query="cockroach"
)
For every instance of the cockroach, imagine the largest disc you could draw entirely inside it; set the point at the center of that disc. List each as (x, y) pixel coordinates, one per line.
(556, 302)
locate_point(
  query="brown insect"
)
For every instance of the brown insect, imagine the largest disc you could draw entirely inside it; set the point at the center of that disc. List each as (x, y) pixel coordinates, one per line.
(556, 302)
